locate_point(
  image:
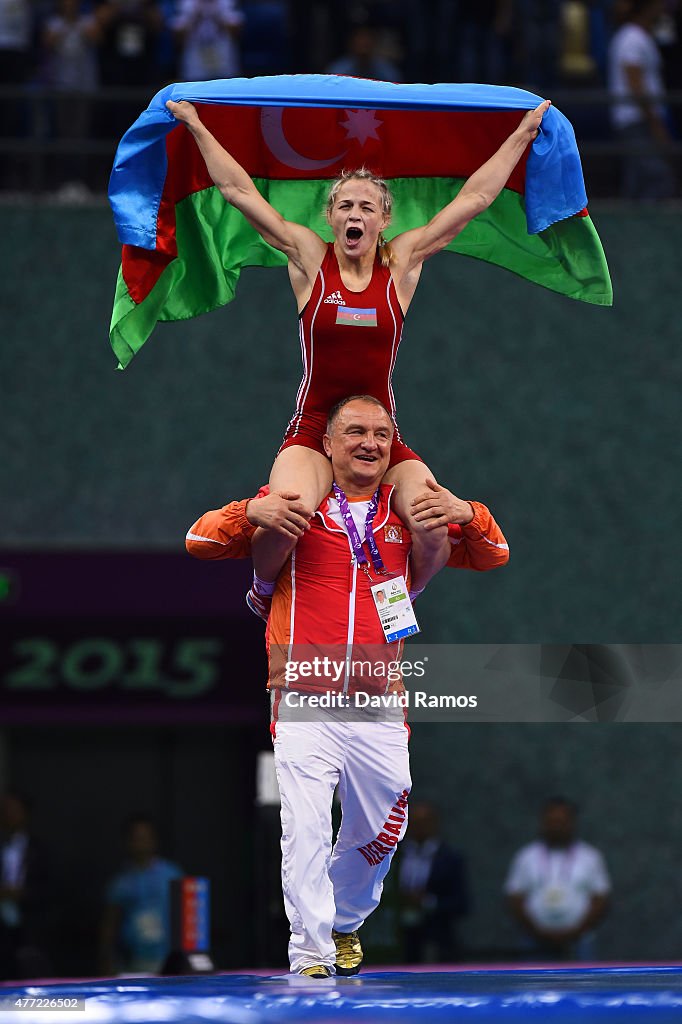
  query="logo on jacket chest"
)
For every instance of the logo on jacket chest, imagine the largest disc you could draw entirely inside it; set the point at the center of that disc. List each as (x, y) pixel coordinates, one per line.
(393, 533)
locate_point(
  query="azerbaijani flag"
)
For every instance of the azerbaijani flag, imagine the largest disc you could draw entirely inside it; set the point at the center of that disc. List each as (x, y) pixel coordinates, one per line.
(184, 247)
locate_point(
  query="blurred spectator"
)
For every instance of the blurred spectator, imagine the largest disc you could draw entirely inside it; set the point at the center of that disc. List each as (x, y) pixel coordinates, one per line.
(135, 927)
(558, 888)
(70, 37)
(128, 31)
(208, 31)
(482, 31)
(23, 894)
(128, 51)
(433, 890)
(362, 58)
(639, 120)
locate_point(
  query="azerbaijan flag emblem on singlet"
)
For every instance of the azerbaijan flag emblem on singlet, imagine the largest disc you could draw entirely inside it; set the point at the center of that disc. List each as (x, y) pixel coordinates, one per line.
(356, 317)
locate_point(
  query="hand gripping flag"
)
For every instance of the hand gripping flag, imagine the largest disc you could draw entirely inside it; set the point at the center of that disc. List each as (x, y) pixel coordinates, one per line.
(184, 246)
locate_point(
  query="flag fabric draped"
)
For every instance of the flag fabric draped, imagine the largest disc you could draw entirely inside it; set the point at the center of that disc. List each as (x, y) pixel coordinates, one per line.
(184, 247)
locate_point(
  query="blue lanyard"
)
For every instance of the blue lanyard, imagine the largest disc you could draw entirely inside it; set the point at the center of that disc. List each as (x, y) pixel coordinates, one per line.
(355, 539)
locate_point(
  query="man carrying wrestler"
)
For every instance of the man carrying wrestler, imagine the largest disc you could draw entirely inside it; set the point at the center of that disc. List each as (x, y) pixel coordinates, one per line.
(325, 604)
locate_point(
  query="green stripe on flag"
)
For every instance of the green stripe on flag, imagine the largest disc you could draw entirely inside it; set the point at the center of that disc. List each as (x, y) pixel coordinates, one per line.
(215, 242)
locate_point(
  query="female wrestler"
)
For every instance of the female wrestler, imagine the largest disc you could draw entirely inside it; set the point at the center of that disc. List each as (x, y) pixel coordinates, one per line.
(352, 296)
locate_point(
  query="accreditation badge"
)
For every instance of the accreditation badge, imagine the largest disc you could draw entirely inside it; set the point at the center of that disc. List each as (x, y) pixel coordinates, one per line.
(555, 905)
(396, 613)
(554, 897)
(147, 926)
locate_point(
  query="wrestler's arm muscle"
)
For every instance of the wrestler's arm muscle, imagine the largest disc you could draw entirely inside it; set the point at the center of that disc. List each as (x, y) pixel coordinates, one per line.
(411, 248)
(303, 247)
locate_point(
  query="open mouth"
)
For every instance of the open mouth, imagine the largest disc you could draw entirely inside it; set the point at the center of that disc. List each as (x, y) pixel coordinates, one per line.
(366, 458)
(353, 234)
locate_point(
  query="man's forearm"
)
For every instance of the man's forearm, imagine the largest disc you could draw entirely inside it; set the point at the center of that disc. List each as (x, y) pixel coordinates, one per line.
(481, 544)
(221, 533)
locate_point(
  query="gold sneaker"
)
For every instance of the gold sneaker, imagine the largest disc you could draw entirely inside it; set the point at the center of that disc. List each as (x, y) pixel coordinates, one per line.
(316, 971)
(348, 952)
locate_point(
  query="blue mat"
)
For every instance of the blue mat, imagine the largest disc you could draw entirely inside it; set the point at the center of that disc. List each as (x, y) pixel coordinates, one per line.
(633, 995)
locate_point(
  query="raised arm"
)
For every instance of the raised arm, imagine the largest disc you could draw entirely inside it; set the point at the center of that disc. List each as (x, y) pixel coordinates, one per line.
(411, 248)
(303, 247)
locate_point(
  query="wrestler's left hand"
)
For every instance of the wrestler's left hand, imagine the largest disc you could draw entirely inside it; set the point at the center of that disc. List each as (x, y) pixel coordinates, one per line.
(183, 111)
(438, 506)
(530, 126)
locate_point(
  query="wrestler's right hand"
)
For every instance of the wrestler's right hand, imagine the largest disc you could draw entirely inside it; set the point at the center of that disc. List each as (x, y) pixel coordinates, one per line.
(183, 111)
(282, 512)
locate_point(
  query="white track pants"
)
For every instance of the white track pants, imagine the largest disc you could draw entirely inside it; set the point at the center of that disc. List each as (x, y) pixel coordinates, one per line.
(339, 888)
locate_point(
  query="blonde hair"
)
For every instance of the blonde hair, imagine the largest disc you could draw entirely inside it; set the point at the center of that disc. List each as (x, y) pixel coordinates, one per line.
(364, 174)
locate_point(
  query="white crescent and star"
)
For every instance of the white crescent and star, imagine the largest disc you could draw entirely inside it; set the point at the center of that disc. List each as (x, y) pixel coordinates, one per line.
(360, 125)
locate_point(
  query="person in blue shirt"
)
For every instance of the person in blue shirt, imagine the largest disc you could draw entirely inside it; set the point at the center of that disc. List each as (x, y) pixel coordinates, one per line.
(135, 928)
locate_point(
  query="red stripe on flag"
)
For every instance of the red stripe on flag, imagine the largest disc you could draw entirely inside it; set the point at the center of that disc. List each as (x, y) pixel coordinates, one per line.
(272, 142)
(142, 268)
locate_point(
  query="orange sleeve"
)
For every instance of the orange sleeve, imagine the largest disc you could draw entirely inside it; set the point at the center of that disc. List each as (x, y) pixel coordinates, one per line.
(481, 545)
(224, 532)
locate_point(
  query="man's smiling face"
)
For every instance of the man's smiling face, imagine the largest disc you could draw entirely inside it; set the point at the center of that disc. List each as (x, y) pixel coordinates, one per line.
(359, 446)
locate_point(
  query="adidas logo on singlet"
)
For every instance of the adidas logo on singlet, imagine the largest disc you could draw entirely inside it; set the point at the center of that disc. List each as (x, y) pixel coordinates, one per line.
(336, 298)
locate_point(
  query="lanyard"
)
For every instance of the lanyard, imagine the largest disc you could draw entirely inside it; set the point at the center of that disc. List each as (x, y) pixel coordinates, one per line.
(562, 863)
(355, 539)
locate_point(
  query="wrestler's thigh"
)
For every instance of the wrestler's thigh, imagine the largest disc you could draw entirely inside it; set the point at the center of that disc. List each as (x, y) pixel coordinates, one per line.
(409, 478)
(303, 471)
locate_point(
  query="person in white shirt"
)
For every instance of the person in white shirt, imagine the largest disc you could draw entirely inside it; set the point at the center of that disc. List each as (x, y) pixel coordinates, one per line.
(558, 888)
(208, 31)
(639, 116)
